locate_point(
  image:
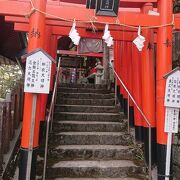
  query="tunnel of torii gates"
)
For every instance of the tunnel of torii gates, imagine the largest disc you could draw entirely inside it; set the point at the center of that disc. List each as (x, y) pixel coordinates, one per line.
(46, 20)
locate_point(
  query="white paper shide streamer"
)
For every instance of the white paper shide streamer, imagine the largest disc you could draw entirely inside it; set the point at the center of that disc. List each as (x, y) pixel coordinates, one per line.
(107, 36)
(139, 41)
(74, 35)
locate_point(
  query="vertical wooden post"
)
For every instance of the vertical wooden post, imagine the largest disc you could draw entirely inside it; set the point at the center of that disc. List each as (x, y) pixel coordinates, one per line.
(1, 135)
(18, 106)
(116, 68)
(136, 68)
(10, 116)
(16, 112)
(163, 66)
(129, 81)
(6, 126)
(36, 40)
(21, 100)
(124, 75)
(120, 71)
(148, 87)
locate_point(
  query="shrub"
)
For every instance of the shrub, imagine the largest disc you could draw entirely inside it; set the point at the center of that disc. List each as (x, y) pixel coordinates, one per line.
(9, 76)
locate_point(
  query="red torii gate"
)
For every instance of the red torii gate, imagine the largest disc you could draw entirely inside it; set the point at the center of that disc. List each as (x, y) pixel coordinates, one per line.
(59, 20)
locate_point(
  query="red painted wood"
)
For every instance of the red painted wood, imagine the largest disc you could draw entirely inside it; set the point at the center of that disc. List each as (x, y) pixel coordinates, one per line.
(129, 69)
(34, 43)
(22, 8)
(163, 66)
(123, 3)
(64, 31)
(75, 53)
(136, 78)
(58, 23)
(148, 74)
(123, 69)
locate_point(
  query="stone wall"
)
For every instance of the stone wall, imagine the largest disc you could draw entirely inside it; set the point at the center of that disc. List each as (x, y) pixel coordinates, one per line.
(176, 142)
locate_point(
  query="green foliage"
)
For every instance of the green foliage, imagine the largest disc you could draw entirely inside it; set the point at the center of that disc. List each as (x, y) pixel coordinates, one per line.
(9, 75)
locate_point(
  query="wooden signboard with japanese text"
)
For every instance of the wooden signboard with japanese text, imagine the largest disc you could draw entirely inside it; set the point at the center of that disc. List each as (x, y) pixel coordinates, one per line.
(107, 7)
(172, 102)
(38, 72)
(172, 95)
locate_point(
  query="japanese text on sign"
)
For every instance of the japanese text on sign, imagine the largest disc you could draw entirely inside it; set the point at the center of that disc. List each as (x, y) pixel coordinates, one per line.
(172, 96)
(107, 4)
(171, 120)
(38, 71)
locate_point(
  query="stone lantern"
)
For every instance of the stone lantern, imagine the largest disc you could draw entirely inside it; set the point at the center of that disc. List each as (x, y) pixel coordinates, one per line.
(99, 73)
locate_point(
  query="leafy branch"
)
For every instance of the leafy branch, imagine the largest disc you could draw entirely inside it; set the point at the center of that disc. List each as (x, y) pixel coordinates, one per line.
(9, 76)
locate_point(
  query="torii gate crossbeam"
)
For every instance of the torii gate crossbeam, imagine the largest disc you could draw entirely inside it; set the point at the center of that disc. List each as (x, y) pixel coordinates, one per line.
(19, 8)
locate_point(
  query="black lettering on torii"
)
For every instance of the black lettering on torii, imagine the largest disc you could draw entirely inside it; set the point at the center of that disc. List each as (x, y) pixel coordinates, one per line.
(35, 33)
(168, 43)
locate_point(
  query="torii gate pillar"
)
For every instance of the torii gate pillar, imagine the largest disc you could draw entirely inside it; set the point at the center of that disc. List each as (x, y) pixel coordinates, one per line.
(163, 65)
(36, 40)
(148, 87)
(136, 78)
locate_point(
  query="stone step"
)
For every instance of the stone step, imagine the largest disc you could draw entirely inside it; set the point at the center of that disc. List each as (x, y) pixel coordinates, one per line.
(83, 90)
(91, 152)
(90, 138)
(94, 169)
(73, 85)
(85, 95)
(91, 179)
(79, 116)
(86, 108)
(88, 126)
(95, 102)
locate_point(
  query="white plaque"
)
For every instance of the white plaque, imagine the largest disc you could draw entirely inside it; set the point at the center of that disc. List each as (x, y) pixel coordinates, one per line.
(171, 120)
(38, 73)
(172, 94)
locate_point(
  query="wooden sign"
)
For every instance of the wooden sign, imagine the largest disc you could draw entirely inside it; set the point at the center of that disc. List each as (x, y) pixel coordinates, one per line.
(171, 120)
(172, 101)
(107, 7)
(72, 62)
(38, 72)
(172, 93)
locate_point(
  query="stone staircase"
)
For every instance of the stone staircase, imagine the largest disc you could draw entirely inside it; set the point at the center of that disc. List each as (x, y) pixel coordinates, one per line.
(89, 140)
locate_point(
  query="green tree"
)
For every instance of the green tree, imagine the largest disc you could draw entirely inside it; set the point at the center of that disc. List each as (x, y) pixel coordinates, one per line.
(9, 76)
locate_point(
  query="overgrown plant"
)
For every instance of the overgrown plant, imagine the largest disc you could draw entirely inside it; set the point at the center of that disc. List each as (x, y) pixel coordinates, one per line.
(9, 75)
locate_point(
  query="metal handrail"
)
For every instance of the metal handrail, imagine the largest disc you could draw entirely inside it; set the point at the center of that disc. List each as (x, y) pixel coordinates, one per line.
(50, 115)
(143, 115)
